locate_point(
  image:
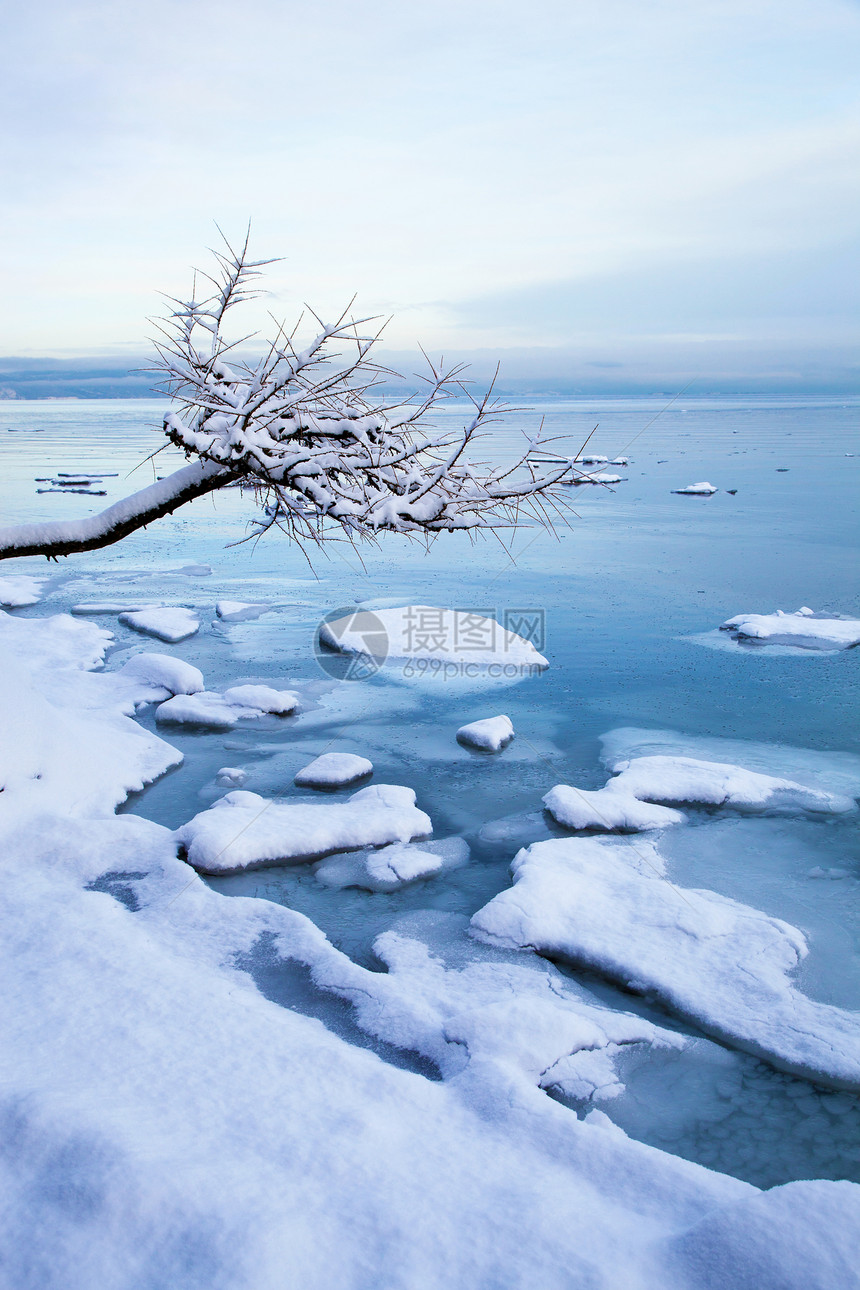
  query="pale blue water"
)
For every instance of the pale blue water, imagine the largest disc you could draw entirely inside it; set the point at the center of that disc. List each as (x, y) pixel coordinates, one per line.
(622, 591)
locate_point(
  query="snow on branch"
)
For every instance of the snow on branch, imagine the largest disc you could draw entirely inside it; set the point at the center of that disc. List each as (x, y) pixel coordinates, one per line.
(309, 433)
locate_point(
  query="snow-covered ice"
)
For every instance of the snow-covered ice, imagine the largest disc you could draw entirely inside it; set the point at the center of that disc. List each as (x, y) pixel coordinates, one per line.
(234, 776)
(687, 779)
(20, 589)
(703, 489)
(164, 672)
(490, 734)
(106, 607)
(334, 770)
(799, 629)
(239, 611)
(602, 903)
(393, 866)
(245, 831)
(606, 808)
(172, 624)
(825, 772)
(223, 711)
(167, 1124)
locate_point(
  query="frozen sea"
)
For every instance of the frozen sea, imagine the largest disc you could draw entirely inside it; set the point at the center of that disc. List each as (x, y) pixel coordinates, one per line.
(627, 596)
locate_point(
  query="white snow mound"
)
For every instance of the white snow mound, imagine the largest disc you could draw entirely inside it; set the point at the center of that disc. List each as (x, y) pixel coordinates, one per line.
(606, 808)
(171, 625)
(333, 770)
(222, 711)
(393, 866)
(490, 734)
(18, 590)
(246, 831)
(602, 903)
(238, 611)
(703, 489)
(800, 629)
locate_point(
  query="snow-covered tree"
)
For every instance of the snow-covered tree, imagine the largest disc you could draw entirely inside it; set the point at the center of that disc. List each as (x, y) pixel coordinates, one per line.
(308, 433)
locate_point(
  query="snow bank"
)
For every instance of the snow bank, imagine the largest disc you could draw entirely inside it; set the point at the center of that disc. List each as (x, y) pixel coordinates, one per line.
(393, 866)
(799, 629)
(245, 831)
(66, 741)
(606, 808)
(167, 1124)
(601, 903)
(428, 640)
(239, 611)
(170, 625)
(703, 489)
(222, 711)
(163, 672)
(334, 770)
(491, 734)
(17, 590)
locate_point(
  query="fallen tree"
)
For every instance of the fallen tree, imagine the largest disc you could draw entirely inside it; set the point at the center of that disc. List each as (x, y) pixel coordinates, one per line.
(308, 435)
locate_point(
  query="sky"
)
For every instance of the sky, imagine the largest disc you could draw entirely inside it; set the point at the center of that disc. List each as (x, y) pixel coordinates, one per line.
(594, 190)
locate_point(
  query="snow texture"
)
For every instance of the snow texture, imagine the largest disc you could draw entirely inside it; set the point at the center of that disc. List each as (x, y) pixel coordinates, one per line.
(246, 831)
(799, 629)
(334, 770)
(606, 808)
(17, 590)
(167, 1124)
(686, 779)
(172, 625)
(222, 711)
(602, 903)
(703, 489)
(239, 611)
(393, 866)
(491, 734)
(826, 772)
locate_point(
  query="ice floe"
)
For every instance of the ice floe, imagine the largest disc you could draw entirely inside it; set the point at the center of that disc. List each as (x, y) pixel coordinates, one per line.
(606, 808)
(223, 711)
(163, 672)
(234, 776)
(703, 489)
(171, 624)
(687, 779)
(800, 629)
(334, 770)
(106, 607)
(826, 772)
(490, 734)
(18, 590)
(393, 866)
(245, 831)
(603, 904)
(239, 611)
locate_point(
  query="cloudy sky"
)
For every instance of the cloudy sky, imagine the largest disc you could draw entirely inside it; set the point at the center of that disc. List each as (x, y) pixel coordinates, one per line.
(666, 185)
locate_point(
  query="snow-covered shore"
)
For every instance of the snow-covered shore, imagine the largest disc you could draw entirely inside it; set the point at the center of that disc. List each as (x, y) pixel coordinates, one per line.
(166, 1124)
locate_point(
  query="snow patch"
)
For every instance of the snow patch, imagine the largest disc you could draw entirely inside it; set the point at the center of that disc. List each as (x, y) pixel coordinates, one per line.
(799, 629)
(246, 831)
(172, 625)
(18, 590)
(490, 734)
(602, 903)
(393, 866)
(334, 770)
